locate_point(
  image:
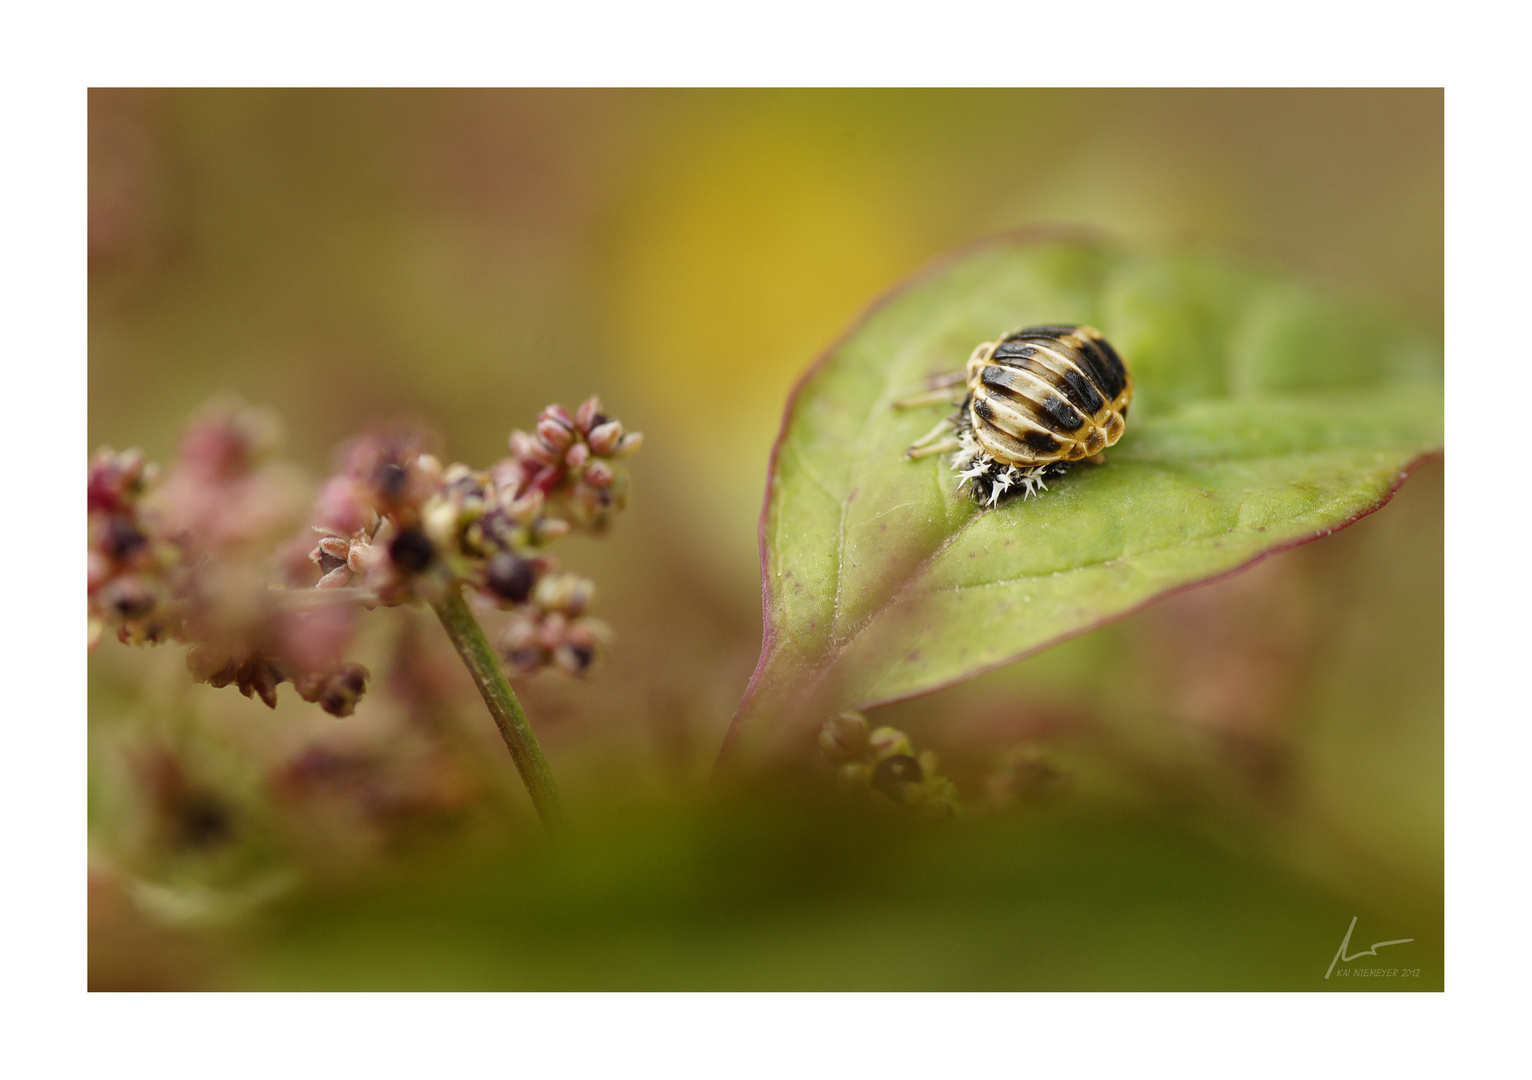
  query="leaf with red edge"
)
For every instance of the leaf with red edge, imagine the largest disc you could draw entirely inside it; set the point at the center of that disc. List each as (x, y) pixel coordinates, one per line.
(1264, 416)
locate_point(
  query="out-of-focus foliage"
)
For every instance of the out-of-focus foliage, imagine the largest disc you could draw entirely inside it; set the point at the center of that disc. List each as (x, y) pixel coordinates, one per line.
(1260, 757)
(1265, 417)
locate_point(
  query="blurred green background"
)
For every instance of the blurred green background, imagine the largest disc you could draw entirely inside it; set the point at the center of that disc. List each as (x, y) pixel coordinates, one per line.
(1199, 796)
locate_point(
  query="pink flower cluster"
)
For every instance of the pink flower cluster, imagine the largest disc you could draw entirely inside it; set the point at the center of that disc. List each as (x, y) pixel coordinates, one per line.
(184, 559)
(131, 574)
(399, 526)
(181, 560)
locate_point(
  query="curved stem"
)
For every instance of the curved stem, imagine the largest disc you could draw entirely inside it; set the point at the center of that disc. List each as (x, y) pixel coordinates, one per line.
(468, 637)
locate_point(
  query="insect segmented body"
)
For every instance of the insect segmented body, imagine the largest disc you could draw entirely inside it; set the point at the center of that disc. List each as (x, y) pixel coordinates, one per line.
(1033, 403)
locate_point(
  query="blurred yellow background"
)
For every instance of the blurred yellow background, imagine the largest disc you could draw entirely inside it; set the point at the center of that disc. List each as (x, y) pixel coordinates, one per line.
(465, 257)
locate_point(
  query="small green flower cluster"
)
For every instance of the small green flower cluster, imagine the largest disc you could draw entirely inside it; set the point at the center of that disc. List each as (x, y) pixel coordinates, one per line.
(883, 763)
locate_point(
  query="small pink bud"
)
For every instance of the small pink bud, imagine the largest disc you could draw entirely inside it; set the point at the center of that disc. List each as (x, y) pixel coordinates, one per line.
(554, 435)
(530, 448)
(604, 439)
(337, 547)
(599, 474)
(629, 445)
(508, 475)
(577, 456)
(586, 415)
(527, 508)
(559, 414)
(519, 443)
(551, 633)
(335, 579)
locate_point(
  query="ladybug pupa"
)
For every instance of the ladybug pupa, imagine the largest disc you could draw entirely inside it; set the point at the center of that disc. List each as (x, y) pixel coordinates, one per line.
(1029, 405)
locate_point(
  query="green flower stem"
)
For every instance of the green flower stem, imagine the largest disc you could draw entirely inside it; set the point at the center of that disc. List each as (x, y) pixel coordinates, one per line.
(484, 666)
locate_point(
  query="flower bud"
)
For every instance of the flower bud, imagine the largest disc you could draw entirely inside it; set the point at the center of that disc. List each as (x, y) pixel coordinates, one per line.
(588, 633)
(332, 551)
(577, 456)
(520, 633)
(429, 466)
(411, 551)
(604, 439)
(527, 508)
(844, 737)
(588, 415)
(558, 414)
(888, 742)
(338, 691)
(548, 529)
(510, 577)
(508, 474)
(116, 480)
(529, 448)
(550, 633)
(569, 593)
(259, 677)
(574, 659)
(440, 521)
(555, 435)
(599, 474)
(629, 445)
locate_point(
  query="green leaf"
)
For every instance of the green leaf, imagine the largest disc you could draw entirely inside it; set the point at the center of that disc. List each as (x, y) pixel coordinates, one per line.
(1264, 415)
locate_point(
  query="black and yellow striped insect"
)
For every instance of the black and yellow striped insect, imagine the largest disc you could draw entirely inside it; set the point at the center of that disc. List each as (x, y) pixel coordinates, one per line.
(1030, 405)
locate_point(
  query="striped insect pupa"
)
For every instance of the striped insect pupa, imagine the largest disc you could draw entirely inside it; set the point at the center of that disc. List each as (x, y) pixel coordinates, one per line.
(1035, 402)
